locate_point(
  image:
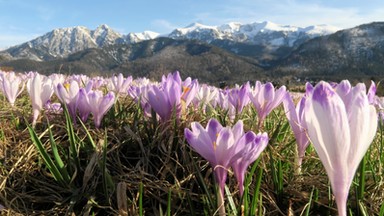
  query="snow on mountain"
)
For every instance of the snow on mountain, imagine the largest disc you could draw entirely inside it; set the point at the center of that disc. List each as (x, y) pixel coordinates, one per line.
(103, 35)
(319, 30)
(64, 41)
(61, 42)
(196, 31)
(266, 33)
(137, 37)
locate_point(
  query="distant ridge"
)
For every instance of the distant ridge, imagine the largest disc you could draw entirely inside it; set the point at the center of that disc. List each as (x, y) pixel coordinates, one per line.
(62, 42)
(355, 54)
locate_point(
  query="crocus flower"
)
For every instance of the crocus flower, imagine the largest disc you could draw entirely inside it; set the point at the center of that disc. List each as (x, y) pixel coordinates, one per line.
(100, 104)
(247, 150)
(189, 90)
(341, 132)
(205, 96)
(295, 117)
(12, 85)
(54, 108)
(238, 97)
(344, 88)
(265, 99)
(166, 98)
(217, 144)
(165, 101)
(69, 94)
(140, 95)
(119, 84)
(223, 102)
(379, 103)
(83, 104)
(97, 82)
(40, 90)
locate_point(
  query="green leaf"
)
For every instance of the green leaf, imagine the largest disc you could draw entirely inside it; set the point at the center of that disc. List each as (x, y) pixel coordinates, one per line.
(55, 171)
(58, 161)
(256, 192)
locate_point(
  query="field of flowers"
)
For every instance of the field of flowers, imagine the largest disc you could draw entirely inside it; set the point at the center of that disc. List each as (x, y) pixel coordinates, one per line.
(79, 145)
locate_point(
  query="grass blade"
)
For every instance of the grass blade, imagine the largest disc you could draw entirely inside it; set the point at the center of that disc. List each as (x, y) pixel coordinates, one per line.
(141, 199)
(88, 134)
(169, 202)
(247, 182)
(256, 192)
(107, 179)
(230, 200)
(308, 206)
(363, 210)
(191, 206)
(382, 209)
(202, 184)
(72, 140)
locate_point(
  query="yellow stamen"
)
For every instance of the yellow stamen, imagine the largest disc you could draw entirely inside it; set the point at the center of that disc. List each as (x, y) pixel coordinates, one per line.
(66, 86)
(214, 142)
(186, 89)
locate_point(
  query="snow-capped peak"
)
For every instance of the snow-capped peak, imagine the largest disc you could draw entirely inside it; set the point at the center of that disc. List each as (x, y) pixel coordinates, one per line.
(266, 32)
(230, 27)
(194, 27)
(63, 41)
(137, 37)
(321, 29)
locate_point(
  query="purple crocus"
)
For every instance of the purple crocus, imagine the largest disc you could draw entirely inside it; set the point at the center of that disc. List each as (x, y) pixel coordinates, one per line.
(205, 96)
(265, 99)
(172, 96)
(222, 101)
(119, 84)
(12, 85)
(296, 121)
(40, 90)
(217, 144)
(83, 104)
(189, 91)
(212, 144)
(341, 132)
(140, 95)
(100, 104)
(238, 97)
(247, 150)
(166, 98)
(165, 101)
(69, 94)
(54, 108)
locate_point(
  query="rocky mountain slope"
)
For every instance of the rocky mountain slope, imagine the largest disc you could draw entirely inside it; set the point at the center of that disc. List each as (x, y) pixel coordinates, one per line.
(266, 37)
(152, 58)
(355, 52)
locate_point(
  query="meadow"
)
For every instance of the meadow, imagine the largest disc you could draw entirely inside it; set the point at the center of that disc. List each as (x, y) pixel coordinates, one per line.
(79, 145)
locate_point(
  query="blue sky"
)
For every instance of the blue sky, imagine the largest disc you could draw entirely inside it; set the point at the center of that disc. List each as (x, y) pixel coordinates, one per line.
(23, 20)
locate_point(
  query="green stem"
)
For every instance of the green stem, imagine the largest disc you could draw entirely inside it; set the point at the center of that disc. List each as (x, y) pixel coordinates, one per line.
(362, 180)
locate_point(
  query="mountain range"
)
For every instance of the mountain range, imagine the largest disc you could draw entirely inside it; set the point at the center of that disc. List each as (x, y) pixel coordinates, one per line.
(231, 52)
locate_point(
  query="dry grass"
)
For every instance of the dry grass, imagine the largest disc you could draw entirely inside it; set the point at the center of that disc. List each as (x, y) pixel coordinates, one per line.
(141, 151)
